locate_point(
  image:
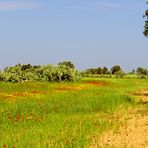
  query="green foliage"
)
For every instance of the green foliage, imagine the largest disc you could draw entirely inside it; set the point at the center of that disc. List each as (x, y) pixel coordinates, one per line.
(68, 64)
(51, 118)
(91, 71)
(146, 24)
(99, 71)
(21, 73)
(105, 70)
(115, 69)
(2, 76)
(142, 72)
(146, 28)
(26, 67)
(119, 74)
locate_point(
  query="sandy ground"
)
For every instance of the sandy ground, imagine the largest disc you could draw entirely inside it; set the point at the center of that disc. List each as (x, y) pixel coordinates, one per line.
(132, 133)
(133, 129)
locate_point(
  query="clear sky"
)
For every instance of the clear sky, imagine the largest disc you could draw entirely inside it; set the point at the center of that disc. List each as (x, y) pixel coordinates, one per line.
(90, 33)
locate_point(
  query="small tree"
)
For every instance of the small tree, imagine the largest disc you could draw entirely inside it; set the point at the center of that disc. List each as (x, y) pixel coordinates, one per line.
(115, 69)
(105, 70)
(68, 64)
(139, 70)
(99, 70)
(142, 72)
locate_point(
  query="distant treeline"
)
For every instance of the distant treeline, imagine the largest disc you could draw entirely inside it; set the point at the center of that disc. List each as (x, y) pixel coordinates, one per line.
(64, 71)
(116, 71)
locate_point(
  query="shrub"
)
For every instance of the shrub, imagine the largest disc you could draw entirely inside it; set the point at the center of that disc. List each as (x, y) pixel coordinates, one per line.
(2, 76)
(142, 72)
(20, 73)
(119, 74)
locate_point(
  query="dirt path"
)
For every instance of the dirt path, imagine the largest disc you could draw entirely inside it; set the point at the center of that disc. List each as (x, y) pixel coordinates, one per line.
(132, 133)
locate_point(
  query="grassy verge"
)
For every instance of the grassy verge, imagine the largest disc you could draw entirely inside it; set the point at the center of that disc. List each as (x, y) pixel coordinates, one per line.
(62, 115)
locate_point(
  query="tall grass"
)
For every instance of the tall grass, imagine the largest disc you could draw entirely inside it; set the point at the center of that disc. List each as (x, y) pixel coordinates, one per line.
(46, 116)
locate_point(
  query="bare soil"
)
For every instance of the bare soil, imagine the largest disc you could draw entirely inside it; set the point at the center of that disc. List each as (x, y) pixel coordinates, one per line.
(142, 95)
(133, 134)
(98, 83)
(69, 88)
(133, 129)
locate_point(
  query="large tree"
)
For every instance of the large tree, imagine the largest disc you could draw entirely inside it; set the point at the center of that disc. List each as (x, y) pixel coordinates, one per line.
(146, 23)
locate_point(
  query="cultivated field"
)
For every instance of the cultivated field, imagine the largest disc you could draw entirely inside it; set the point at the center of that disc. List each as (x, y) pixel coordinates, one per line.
(94, 112)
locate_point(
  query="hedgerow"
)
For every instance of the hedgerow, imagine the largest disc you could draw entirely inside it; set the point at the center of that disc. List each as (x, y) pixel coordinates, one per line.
(49, 73)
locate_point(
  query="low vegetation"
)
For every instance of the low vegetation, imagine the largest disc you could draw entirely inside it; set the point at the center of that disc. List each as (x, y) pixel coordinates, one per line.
(115, 72)
(72, 113)
(64, 71)
(75, 114)
(19, 73)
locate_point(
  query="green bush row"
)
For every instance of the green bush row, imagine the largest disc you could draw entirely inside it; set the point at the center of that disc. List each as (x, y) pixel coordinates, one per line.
(21, 73)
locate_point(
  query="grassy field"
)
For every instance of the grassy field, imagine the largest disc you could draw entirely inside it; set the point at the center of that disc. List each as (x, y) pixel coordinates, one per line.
(67, 115)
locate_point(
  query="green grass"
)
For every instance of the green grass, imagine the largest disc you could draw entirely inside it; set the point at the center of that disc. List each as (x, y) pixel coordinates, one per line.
(45, 115)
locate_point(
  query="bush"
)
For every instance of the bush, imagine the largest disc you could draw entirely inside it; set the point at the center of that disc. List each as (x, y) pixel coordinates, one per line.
(21, 73)
(142, 72)
(2, 76)
(119, 74)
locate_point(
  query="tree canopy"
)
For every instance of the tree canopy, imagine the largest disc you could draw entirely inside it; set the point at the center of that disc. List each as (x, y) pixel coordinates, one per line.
(146, 23)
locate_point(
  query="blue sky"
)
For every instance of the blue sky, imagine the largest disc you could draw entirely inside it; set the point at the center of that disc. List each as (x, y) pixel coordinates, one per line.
(90, 33)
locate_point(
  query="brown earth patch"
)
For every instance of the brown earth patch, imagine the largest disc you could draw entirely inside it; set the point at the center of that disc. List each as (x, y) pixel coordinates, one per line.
(98, 83)
(39, 92)
(143, 92)
(69, 88)
(142, 95)
(22, 94)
